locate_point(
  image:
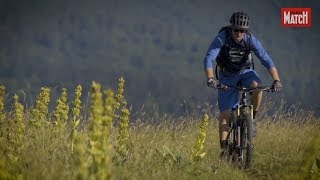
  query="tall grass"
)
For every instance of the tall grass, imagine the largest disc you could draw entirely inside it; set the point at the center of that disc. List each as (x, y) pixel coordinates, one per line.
(75, 115)
(60, 115)
(39, 113)
(285, 148)
(2, 94)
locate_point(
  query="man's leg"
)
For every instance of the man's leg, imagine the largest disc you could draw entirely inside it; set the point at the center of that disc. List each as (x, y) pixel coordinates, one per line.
(224, 118)
(227, 99)
(255, 101)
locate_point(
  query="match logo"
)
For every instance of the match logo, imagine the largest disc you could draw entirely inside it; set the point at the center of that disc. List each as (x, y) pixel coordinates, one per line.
(296, 17)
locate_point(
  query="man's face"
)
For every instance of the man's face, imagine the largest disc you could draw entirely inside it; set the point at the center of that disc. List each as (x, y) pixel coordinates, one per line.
(237, 34)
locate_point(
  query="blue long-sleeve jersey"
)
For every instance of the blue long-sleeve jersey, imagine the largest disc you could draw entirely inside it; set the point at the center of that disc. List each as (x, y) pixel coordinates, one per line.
(219, 41)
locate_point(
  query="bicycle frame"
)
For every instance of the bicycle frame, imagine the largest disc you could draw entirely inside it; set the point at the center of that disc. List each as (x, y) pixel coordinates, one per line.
(243, 102)
(240, 121)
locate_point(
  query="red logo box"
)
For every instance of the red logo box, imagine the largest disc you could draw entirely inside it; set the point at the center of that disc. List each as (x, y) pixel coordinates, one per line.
(296, 17)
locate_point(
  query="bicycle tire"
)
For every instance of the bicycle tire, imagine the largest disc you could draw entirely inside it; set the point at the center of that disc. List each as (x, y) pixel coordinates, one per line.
(246, 138)
(232, 155)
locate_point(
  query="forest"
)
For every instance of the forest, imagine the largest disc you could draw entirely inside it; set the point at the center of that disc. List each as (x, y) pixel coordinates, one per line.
(157, 46)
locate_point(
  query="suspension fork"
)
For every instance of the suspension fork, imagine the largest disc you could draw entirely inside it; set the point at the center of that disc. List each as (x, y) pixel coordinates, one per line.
(239, 122)
(238, 127)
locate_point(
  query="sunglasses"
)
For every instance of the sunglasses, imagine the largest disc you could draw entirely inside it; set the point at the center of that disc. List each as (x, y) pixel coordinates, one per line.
(239, 30)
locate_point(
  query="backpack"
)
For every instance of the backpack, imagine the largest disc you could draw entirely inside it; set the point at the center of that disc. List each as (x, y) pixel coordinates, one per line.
(227, 30)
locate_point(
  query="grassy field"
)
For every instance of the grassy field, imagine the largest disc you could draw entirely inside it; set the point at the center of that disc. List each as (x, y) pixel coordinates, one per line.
(33, 146)
(164, 151)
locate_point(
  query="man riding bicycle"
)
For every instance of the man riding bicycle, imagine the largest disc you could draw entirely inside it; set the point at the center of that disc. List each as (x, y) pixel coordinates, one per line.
(231, 50)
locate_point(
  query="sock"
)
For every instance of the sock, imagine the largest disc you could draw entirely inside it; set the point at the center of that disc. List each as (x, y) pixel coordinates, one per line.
(223, 144)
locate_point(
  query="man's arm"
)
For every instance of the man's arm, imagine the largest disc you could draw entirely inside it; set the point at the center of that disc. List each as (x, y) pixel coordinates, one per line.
(274, 73)
(259, 51)
(267, 62)
(210, 73)
(212, 53)
(264, 58)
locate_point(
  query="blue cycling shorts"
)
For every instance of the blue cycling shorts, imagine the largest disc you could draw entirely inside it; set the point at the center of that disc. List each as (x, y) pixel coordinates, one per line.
(228, 99)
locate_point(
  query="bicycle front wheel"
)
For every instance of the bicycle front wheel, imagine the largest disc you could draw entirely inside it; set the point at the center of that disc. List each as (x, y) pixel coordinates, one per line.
(246, 139)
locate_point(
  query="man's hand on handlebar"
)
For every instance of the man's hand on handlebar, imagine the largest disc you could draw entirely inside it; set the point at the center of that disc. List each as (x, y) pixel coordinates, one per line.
(276, 86)
(214, 83)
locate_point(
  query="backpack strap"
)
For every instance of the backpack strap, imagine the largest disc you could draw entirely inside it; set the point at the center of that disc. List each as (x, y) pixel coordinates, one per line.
(227, 31)
(248, 41)
(216, 71)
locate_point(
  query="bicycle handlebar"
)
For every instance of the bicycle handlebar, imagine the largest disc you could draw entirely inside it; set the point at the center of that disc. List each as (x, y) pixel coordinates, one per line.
(246, 89)
(249, 89)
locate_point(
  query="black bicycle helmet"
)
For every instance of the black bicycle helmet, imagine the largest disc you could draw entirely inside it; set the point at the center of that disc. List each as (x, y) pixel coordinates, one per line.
(239, 20)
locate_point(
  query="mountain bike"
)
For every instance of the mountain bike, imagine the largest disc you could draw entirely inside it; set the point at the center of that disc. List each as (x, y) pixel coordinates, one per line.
(240, 148)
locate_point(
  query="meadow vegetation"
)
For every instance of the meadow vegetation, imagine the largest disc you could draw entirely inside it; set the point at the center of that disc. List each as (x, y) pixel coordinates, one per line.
(108, 144)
